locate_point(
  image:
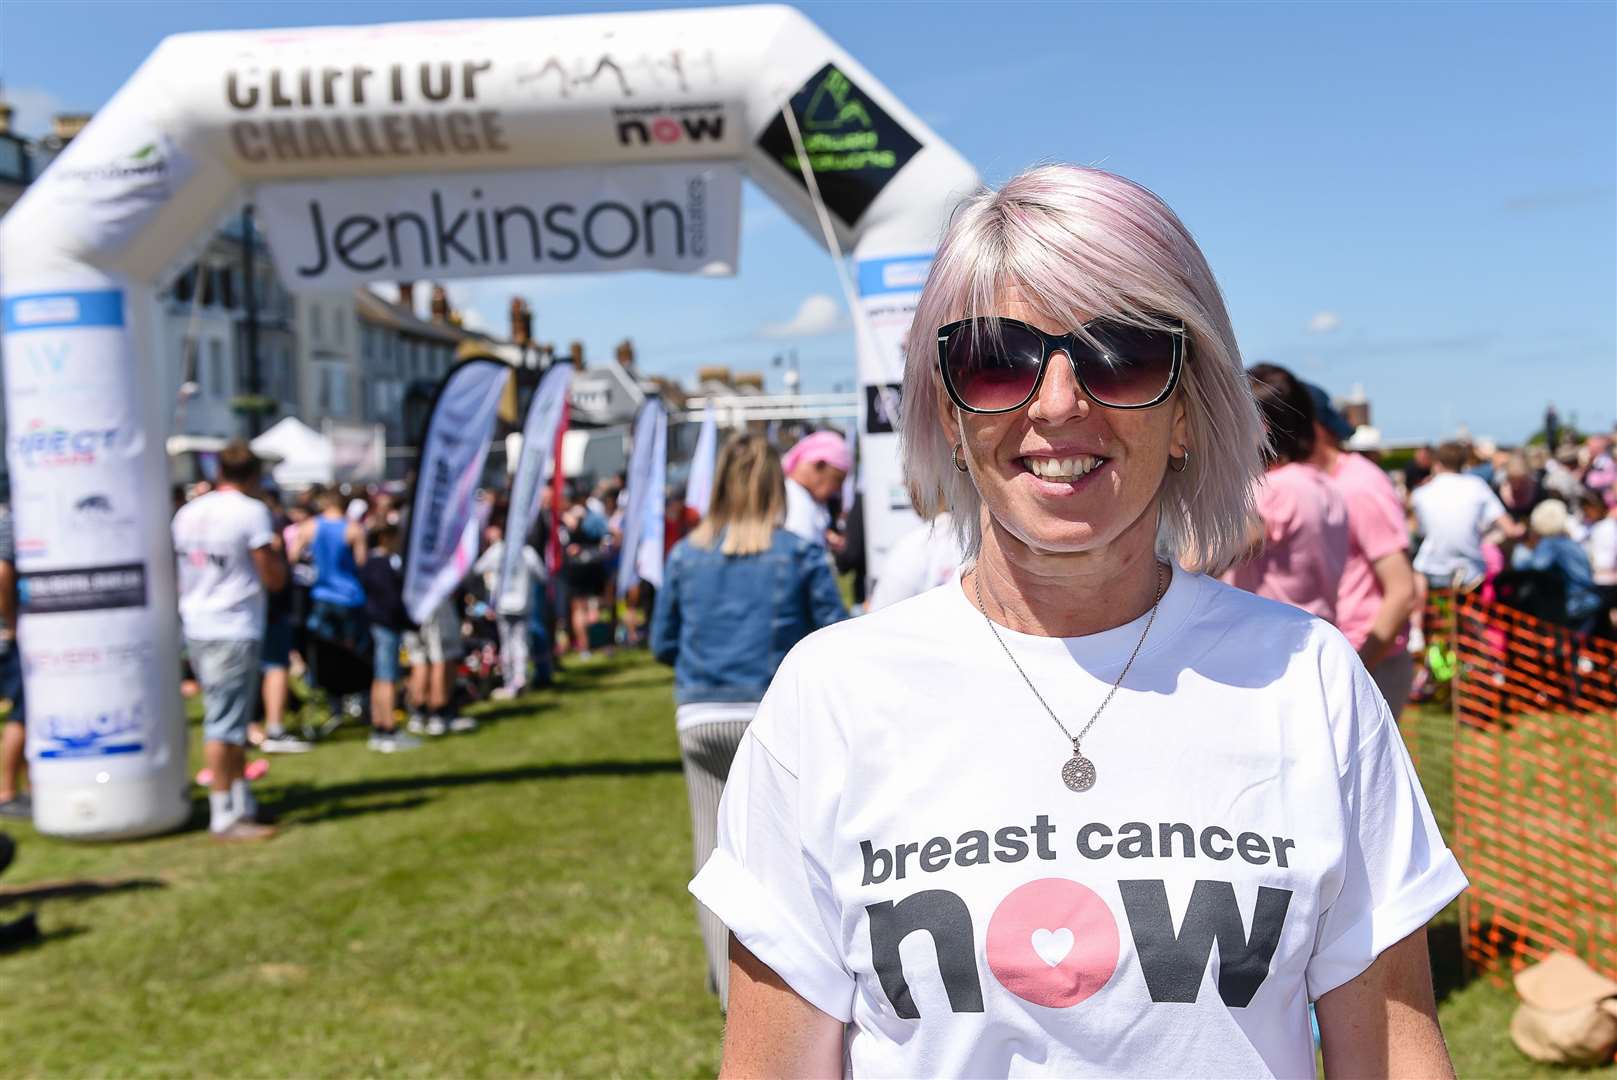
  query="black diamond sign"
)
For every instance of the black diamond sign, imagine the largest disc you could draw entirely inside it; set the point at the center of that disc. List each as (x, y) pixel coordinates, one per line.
(853, 146)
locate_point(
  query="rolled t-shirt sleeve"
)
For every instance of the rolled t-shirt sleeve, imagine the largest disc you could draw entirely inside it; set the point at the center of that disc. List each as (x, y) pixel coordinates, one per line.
(259, 528)
(1397, 871)
(762, 881)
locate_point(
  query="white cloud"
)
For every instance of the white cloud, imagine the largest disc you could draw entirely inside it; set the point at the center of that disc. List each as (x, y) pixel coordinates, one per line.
(818, 314)
(1324, 322)
(34, 109)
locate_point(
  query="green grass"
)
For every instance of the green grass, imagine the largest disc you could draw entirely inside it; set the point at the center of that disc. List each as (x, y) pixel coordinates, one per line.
(507, 903)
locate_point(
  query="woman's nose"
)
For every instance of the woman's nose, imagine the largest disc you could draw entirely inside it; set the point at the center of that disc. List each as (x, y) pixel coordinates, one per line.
(1060, 398)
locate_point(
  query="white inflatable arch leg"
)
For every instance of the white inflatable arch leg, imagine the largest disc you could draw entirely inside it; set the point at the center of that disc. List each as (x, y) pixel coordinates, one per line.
(271, 112)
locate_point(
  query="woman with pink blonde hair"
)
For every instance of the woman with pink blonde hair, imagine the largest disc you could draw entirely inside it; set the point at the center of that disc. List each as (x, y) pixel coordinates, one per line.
(1083, 810)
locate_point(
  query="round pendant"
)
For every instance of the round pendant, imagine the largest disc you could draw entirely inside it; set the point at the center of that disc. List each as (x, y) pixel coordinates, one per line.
(1078, 773)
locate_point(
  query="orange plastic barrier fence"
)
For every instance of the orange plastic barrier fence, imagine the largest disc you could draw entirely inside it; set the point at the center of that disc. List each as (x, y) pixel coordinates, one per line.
(1534, 764)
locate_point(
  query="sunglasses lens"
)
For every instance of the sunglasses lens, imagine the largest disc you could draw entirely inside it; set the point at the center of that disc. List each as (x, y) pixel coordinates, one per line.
(993, 366)
(1133, 366)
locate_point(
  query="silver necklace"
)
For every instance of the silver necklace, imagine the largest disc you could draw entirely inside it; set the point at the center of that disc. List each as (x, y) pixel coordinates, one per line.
(1079, 772)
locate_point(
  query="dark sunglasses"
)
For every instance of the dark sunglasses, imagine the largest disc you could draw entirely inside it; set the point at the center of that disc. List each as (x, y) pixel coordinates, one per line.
(995, 365)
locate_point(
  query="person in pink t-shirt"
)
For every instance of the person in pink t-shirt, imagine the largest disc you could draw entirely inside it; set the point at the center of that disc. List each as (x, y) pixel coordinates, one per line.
(1304, 544)
(1377, 594)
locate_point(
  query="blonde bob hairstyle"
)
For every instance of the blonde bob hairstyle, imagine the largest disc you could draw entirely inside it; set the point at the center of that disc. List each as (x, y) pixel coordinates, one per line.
(1077, 243)
(749, 498)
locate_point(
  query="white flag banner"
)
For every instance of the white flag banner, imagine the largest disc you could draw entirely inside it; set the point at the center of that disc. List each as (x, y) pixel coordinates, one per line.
(649, 552)
(683, 217)
(643, 499)
(453, 450)
(538, 441)
(699, 485)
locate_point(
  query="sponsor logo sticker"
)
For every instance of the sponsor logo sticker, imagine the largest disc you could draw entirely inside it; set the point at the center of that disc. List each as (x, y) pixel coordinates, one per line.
(854, 147)
(669, 125)
(93, 588)
(90, 732)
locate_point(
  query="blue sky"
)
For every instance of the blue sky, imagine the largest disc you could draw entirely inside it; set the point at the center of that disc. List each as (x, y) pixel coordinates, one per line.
(1421, 199)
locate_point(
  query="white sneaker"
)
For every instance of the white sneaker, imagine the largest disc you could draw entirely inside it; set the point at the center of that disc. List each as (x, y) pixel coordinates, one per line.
(416, 726)
(392, 742)
(284, 744)
(460, 725)
(503, 693)
(436, 726)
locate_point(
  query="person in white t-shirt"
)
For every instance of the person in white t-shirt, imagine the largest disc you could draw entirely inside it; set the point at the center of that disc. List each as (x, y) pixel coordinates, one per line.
(815, 469)
(224, 547)
(510, 608)
(1455, 511)
(1085, 811)
(1600, 536)
(927, 556)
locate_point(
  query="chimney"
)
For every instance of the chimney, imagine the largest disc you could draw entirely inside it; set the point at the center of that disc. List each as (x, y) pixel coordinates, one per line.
(575, 352)
(440, 305)
(5, 117)
(625, 354)
(714, 373)
(521, 322)
(407, 296)
(66, 125)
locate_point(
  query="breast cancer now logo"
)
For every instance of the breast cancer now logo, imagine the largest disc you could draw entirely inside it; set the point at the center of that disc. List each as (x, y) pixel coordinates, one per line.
(1055, 942)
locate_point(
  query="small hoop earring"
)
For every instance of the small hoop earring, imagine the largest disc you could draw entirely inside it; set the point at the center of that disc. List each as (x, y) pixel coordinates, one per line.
(955, 457)
(1184, 462)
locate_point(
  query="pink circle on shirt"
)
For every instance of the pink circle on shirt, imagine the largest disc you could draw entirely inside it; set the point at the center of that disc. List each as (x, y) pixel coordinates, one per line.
(1052, 919)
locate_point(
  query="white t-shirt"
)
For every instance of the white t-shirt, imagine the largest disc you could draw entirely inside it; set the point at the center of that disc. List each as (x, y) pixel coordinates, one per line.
(804, 516)
(1454, 510)
(923, 558)
(221, 598)
(1602, 548)
(896, 841)
(529, 568)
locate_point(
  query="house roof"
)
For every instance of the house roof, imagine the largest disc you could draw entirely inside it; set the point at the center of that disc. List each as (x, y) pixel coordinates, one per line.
(378, 312)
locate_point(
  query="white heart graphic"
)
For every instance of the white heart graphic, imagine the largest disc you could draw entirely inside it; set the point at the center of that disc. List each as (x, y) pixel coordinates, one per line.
(1052, 945)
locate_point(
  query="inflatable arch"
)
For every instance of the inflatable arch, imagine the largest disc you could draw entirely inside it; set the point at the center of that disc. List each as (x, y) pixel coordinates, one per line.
(447, 149)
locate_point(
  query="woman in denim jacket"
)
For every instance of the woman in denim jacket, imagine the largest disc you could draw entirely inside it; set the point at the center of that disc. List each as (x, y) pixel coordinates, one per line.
(737, 594)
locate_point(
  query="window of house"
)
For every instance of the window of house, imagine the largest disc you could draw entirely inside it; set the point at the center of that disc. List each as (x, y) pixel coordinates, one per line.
(216, 369)
(185, 285)
(283, 376)
(339, 391)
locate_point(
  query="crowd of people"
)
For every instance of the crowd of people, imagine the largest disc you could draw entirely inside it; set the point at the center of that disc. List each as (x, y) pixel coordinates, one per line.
(313, 587)
(1528, 527)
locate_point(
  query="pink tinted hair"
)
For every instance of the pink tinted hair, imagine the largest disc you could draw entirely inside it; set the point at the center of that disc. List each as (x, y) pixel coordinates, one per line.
(1077, 243)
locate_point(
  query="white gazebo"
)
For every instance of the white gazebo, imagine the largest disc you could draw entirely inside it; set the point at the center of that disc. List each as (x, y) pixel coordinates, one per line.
(304, 454)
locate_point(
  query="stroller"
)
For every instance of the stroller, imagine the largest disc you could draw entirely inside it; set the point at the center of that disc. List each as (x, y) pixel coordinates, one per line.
(479, 670)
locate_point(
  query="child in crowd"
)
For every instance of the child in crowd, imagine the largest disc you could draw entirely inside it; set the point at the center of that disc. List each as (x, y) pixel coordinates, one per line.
(383, 578)
(511, 607)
